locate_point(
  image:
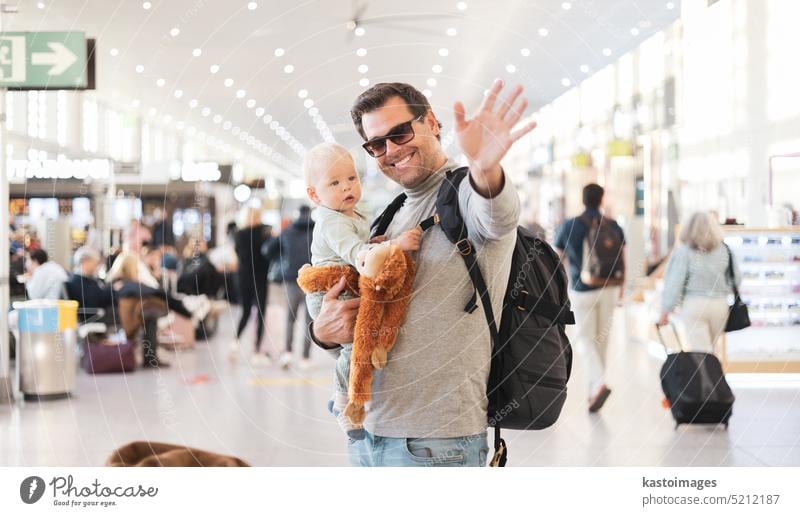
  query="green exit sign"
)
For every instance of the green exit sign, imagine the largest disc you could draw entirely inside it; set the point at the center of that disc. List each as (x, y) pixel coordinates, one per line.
(43, 60)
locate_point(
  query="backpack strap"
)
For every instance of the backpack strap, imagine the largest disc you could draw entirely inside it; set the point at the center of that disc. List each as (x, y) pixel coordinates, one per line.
(454, 228)
(381, 224)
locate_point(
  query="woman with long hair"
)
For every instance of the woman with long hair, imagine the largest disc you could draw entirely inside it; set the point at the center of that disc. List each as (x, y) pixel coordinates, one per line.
(697, 281)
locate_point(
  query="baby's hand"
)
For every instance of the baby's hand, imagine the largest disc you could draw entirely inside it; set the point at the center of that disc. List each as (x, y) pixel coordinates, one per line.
(410, 240)
(378, 239)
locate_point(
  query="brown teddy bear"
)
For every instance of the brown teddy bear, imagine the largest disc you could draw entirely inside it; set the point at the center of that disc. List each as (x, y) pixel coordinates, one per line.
(385, 287)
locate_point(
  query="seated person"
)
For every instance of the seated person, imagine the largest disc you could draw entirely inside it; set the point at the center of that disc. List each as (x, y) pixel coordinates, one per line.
(46, 278)
(83, 285)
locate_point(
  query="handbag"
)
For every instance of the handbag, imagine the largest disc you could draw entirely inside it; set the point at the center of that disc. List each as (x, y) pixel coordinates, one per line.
(738, 317)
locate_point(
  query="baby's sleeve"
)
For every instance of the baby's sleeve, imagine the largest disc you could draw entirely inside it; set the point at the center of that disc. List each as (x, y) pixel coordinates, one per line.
(342, 238)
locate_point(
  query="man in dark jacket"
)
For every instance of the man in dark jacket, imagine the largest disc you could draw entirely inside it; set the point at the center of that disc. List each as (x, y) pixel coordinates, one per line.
(83, 285)
(289, 252)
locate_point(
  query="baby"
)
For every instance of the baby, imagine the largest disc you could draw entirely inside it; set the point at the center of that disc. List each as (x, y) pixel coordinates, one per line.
(340, 238)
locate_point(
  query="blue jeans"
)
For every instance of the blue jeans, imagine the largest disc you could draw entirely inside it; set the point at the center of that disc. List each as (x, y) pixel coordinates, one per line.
(374, 450)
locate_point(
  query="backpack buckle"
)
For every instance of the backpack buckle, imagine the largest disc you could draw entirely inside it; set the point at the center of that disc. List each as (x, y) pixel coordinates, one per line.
(436, 219)
(464, 247)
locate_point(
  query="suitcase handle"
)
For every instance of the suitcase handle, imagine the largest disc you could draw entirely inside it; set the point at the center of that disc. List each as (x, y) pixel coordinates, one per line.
(661, 338)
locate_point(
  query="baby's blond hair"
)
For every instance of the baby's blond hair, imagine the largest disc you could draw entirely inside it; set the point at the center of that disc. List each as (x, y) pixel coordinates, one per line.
(321, 157)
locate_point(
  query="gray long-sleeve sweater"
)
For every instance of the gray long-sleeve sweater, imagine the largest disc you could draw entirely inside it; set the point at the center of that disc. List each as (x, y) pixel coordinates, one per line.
(434, 383)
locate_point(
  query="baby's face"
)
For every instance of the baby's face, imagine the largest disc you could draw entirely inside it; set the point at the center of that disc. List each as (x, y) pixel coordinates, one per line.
(336, 186)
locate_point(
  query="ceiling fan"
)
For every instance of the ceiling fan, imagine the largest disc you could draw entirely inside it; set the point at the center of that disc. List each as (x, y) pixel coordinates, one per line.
(403, 22)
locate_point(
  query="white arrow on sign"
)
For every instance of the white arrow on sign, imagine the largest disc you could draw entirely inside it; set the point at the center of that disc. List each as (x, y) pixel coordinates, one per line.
(60, 58)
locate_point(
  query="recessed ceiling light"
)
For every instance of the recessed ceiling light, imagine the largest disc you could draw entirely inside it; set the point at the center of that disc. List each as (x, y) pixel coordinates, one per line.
(361, 52)
(174, 31)
(431, 82)
(197, 52)
(436, 68)
(227, 125)
(462, 6)
(240, 94)
(364, 82)
(444, 52)
(252, 6)
(634, 31)
(274, 125)
(510, 68)
(427, 93)
(302, 94)
(260, 112)
(193, 103)
(452, 31)
(606, 52)
(313, 111)
(206, 111)
(251, 103)
(217, 119)
(525, 52)
(40, 5)
(566, 82)
(160, 83)
(584, 69)
(543, 32)
(178, 94)
(288, 68)
(670, 6)
(147, 5)
(566, 6)
(152, 111)
(279, 52)
(228, 82)
(308, 103)
(360, 31)
(213, 68)
(363, 68)
(139, 68)
(114, 52)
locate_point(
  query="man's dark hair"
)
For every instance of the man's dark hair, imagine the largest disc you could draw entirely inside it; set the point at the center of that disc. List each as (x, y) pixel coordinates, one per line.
(376, 97)
(305, 211)
(593, 195)
(38, 255)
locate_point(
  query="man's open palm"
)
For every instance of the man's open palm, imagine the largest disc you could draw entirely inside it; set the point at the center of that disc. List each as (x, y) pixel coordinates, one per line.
(486, 138)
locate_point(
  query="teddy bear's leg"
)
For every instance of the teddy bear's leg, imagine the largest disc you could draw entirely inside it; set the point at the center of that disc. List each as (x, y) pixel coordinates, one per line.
(395, 313)
(365, 338)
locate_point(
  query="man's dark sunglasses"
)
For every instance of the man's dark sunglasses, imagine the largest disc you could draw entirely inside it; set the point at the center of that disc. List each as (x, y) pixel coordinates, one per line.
(399, 134)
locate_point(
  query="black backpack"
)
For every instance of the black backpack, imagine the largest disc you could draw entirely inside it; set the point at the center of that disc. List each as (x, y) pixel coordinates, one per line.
(602, 254)
(531, 355)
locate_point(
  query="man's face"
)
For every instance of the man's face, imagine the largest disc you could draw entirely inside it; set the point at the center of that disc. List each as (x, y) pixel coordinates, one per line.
(413, 162)
(89, 266)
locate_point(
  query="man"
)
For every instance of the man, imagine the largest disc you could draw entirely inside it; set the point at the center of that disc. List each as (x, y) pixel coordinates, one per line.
(292, 250)
(83, 286)
(593, 304)
(46, 278)
(429, 402)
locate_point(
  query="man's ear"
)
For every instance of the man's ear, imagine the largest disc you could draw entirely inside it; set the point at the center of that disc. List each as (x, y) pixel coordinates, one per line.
(433, 123)
(312, 194)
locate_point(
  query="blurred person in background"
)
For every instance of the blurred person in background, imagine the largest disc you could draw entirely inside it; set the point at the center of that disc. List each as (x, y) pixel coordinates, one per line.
(290, 251)
(593, 299)
(697, 281)
(83, 285)
(252, 276)
(136, 235)
(224, 259)
(46, 278)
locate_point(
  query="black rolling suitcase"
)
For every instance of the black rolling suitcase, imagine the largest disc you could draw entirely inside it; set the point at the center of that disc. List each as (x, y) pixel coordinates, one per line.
(695, 386)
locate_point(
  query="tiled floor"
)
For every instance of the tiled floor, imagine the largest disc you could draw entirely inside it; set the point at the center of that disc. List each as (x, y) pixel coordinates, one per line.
(272, 417)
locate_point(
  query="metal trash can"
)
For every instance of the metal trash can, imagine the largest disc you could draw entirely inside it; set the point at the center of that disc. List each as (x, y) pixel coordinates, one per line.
(47, 351)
